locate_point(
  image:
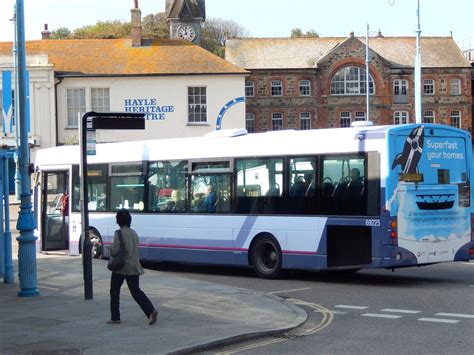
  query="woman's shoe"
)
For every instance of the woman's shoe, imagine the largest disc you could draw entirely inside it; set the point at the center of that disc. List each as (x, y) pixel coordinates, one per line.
(111, 321)
(153, 317)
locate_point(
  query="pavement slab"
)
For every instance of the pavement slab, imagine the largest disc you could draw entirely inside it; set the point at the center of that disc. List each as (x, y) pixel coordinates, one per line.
(193, 314)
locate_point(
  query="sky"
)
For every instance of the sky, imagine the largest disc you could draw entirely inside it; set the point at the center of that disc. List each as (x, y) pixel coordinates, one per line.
(267, 18)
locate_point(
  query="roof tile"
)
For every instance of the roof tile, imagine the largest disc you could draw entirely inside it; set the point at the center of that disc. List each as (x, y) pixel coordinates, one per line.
(283, 53)
(118, 57)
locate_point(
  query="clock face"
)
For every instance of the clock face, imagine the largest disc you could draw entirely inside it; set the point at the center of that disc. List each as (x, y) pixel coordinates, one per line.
(186, 32)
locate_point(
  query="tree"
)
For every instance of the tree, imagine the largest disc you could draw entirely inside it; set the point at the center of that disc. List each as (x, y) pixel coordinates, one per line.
(155, 26)
(61, 33)
(103, 30)
(216, 31)
(214, 34)
(298, 33)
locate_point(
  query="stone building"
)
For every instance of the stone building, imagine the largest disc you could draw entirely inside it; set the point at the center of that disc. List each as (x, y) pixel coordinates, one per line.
(304, 83)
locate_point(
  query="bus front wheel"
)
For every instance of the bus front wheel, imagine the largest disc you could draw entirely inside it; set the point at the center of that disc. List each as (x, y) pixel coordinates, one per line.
(96, 244)
(266, 257)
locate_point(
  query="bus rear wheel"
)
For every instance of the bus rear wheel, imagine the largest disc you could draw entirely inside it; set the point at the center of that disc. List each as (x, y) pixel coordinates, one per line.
(266, 257)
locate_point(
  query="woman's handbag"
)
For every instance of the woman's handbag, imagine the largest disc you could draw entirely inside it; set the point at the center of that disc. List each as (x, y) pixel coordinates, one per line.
(116, 262)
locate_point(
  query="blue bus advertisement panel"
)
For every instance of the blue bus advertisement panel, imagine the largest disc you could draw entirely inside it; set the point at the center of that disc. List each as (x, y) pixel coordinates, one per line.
(429, 192)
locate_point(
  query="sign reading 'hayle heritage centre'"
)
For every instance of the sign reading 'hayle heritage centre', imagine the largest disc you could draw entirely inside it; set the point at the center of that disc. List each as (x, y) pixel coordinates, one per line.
(150, 107)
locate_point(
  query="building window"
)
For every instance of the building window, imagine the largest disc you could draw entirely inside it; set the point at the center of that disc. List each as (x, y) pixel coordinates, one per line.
(100, 99)
(351, 81)
(277, 121)
(400, 117)
(76, 104)
(455, 119)
(429, 116)
(250, 122)
(197, 104)
(345, 119)
(400, 91)
(305, 120)
(428, 87)
(455, 87)
(360, 116)
(305, 88)
(249, 88)
(277, 88)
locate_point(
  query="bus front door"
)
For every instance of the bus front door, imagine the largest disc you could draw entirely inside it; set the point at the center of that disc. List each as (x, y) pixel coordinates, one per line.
(55, 211)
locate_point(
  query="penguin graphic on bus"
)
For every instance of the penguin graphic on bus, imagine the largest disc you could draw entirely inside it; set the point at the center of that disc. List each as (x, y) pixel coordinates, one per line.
(410, 156)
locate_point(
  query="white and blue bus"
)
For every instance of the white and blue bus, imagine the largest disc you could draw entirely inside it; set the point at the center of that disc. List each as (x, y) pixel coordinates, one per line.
(329, 199)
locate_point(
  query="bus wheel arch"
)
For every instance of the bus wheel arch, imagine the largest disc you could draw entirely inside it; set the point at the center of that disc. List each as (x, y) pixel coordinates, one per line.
(97, 244)
(265, 256)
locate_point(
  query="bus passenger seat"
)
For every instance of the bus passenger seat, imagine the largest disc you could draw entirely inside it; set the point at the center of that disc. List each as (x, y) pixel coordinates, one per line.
(273, 191)
(298, 189)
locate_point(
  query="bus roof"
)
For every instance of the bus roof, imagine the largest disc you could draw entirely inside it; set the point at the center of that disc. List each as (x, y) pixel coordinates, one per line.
(229, 144)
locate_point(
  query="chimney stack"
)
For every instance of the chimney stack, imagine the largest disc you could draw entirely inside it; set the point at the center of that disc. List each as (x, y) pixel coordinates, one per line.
(45, 34)
(136, 25)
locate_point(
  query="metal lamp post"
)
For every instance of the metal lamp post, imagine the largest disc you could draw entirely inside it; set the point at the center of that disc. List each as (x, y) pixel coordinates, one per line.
(417, 76)
(17, 177)
(367, 76)
(26, 222)
(418, 69)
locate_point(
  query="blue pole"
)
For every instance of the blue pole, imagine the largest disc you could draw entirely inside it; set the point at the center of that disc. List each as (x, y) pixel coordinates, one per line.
(8, 278)
(17, 126)
(3, 242)
(26, 221)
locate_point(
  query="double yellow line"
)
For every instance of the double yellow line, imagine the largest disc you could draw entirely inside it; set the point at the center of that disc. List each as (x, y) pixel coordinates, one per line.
(325, 321)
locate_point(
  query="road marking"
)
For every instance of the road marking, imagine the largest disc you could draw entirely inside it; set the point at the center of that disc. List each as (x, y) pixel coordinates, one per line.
(292, 290)
(350, 307)
(389, 316)
(458, 315)
(332, 311)
(327, 316)
(439, 320)
(325, 321)
(404, 311)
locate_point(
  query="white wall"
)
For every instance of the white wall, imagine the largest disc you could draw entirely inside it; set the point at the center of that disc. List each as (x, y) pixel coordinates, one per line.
(167, 91)
(42, 103)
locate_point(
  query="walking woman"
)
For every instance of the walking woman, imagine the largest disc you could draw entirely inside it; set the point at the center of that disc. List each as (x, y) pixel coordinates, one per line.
(130, 272)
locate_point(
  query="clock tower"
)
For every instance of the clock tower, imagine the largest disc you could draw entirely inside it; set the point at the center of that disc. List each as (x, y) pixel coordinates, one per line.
(186, 18)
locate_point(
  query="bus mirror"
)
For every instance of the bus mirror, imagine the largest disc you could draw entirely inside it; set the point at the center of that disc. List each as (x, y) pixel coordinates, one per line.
(36, 178)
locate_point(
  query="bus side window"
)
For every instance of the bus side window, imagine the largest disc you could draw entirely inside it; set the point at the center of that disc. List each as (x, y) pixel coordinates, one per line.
(259, 185)
(167, 186)
(343, 186)
(302, 185)
(210, 193)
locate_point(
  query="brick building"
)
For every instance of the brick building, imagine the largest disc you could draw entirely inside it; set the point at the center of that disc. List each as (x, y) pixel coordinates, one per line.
(304, 83)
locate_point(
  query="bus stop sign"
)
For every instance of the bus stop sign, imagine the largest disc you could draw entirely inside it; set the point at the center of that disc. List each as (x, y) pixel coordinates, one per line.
(118, 121)
(90, 122)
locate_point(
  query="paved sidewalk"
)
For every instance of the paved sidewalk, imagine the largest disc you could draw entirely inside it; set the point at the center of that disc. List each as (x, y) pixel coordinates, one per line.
(193, 314)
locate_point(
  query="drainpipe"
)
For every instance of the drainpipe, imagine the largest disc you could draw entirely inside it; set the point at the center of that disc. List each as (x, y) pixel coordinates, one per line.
(56, 118)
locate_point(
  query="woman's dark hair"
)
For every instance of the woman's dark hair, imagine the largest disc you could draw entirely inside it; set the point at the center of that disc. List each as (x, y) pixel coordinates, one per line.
(123, 218)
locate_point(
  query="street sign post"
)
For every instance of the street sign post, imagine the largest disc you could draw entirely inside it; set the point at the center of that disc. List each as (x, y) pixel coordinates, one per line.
(90, 122)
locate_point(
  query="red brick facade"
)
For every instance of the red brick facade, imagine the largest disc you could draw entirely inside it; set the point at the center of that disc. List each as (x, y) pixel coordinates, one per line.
(325, 108)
